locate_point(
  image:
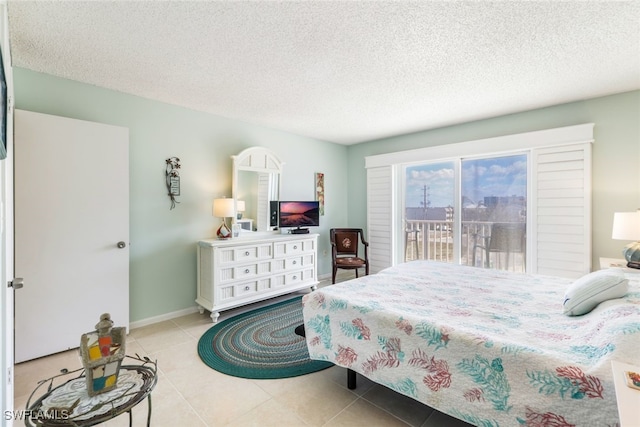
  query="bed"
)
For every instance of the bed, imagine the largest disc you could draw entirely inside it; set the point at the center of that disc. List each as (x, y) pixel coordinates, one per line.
(489, 347)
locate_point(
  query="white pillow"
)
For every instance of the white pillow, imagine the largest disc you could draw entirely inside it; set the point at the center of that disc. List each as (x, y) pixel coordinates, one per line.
(584, 294)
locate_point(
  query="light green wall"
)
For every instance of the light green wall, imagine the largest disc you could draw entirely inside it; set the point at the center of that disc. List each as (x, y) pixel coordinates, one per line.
(616, 156)
(163, 241)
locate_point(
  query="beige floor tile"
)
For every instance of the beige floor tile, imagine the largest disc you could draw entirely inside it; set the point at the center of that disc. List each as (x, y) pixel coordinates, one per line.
(161, 340)
(152, 329)
(192, 319)
(269, 414)
(189, 378)
(169, 409)
(338, 375)
(363, 414)
(278, 387)
(196, 330)
(28, 374)
(177, 357)
(20, 402)
(318, 401)
(405, 408)
(220, 403)
(132, 348)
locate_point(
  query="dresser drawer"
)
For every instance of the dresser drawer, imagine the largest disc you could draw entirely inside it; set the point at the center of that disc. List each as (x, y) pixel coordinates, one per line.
(241, 254)
(244, 272)
(293, 278)
(244, 289)
(292, 247)
(293, 263)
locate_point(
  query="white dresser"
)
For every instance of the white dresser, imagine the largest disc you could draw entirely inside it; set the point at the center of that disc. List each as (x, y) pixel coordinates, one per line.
(244, 270)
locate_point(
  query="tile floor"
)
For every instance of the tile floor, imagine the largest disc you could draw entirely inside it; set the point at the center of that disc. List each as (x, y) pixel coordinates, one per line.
(190, 394)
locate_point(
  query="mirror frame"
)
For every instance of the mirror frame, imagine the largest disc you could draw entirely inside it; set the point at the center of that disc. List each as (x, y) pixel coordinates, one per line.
(255, 159)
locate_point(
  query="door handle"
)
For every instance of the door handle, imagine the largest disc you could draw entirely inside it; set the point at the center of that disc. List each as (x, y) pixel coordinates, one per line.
(16, 283)
(122, 245)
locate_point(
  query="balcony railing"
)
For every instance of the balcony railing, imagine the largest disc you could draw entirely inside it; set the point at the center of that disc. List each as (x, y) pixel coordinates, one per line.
(433, 240)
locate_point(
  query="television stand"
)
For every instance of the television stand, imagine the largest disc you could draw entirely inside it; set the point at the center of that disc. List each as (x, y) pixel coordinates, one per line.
(300, 231)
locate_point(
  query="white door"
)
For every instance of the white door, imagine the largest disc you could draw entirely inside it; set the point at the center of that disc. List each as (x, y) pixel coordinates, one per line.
(71, 216)
(6, 275)
(6, 233)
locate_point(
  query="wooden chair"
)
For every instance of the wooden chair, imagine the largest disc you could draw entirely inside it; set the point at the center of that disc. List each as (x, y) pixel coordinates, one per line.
(345, 243)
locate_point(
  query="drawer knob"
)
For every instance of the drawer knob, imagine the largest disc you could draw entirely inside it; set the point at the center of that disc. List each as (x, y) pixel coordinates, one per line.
(295, 277)
(246, 288)
(246, 271)
(295, 246)
(246, 253)
(295, 262)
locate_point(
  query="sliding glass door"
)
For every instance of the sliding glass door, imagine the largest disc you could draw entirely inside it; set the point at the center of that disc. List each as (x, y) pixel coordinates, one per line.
(467, 210)
(494, 212)
(428, 213)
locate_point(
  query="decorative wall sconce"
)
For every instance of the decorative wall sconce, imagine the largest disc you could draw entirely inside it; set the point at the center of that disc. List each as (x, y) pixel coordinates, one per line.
(173, 179)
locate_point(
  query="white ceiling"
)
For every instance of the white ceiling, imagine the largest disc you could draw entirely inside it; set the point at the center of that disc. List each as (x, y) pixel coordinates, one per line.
(341, 71)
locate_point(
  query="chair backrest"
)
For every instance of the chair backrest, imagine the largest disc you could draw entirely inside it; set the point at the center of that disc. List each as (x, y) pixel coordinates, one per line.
(507, 237)
(346, 240)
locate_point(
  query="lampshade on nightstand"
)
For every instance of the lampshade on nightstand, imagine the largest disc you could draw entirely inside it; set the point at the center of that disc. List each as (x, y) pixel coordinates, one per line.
(223, 208)
(626, 226)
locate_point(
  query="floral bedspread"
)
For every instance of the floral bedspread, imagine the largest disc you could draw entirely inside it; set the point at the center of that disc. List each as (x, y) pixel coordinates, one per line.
(489, 347)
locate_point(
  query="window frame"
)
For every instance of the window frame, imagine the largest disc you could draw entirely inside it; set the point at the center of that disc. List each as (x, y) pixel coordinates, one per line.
(392, 165)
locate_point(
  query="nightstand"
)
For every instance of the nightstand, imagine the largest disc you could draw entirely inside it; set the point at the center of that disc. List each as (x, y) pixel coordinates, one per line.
(627, 398)
(612, 263)
(616, 263)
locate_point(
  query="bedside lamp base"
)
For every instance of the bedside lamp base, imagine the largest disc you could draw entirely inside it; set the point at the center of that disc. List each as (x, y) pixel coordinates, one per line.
(223, 231)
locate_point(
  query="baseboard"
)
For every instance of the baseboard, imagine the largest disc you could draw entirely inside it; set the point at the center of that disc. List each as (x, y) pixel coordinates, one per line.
(168, 316)
(162, 317)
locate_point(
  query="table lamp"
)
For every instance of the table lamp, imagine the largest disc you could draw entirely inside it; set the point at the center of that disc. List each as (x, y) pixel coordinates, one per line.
(223, 208)
(626, 226)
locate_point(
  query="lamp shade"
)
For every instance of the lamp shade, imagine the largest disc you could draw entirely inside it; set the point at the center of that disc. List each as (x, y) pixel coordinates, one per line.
(626, 226)
(223, 208)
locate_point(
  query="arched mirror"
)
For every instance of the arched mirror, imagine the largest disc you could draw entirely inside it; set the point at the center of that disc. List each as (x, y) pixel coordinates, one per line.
(255, 184)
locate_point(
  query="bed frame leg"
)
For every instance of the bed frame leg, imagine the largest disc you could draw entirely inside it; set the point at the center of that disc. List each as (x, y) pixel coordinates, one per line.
(351, 379)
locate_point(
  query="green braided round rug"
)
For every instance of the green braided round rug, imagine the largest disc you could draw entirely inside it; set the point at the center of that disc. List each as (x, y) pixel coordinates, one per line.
(260, 344)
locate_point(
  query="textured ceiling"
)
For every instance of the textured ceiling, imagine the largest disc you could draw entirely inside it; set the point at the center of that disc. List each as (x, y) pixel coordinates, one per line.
(341, 71)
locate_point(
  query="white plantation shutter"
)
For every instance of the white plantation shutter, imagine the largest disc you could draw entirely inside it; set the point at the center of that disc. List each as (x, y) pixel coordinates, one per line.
(380, 217)
(262, 214)
(561, 209)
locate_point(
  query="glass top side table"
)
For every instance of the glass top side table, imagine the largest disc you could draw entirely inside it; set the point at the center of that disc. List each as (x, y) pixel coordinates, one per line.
(69, 404)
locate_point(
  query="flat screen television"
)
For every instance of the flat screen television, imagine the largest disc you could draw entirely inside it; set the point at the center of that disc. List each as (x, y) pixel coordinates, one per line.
(298, 214)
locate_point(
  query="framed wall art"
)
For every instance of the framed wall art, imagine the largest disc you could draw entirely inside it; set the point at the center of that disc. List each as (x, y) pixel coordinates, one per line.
(320, 190)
